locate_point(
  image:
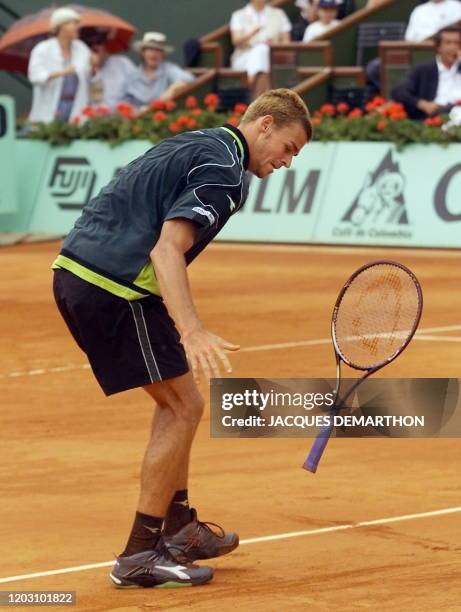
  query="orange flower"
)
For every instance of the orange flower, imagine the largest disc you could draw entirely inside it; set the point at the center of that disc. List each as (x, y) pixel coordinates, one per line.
(240, 108)
(196, 111)
(381, 125)
(103, 109)
(136, 129)
(328, 109)
(126, 110)
(342, 107)
(378, 101)
(170, 105)
(192, 124)
(174, 127)
(76, 120)
(316, 120)
(434, 121)
(355, 113)
(233, 121)
(191, 102)
(182, 120)
(89, 111)
(159, 116)
(157, 105)
(211, 100)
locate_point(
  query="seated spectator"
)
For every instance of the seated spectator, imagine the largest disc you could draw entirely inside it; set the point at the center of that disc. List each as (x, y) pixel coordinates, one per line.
(252, 29)
(59, 70)
(434, 88)
(309, 14)
(154, 78)
(427, 19)
(110, 72)
(327, 11)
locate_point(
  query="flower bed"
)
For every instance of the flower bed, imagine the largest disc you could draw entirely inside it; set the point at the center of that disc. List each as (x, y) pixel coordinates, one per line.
(380, 121)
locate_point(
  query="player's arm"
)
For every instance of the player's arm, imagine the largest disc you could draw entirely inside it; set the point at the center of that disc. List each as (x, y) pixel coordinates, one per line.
(203, 349)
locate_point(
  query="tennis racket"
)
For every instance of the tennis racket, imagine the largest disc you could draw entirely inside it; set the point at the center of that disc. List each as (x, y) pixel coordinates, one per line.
(375, 317)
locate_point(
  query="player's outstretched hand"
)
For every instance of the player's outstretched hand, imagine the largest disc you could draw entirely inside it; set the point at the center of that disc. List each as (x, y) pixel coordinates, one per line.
(205, 351)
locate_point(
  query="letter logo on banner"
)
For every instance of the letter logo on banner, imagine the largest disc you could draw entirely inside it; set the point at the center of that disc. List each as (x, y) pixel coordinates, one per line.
(71, 182)
(440, 196)
(379, 209)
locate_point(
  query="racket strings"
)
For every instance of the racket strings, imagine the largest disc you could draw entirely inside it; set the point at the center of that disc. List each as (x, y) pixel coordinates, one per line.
(376, 315)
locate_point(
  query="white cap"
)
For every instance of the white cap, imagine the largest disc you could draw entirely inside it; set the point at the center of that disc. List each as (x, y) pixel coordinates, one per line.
(153, 40)
(63, 15)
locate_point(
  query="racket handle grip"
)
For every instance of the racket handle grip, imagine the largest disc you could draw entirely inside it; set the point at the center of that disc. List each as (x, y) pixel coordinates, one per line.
(317, 449)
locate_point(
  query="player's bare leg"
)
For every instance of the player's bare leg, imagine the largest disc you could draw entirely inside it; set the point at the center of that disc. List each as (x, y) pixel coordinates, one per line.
(164, 468)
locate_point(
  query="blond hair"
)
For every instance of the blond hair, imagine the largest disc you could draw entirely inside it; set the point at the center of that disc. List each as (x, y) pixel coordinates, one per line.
(284, 105)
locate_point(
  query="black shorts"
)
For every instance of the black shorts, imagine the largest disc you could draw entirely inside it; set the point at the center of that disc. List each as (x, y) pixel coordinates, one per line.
(128, 344)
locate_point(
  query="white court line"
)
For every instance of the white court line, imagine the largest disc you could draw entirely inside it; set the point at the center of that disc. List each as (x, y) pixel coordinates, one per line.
(279, 536)
(420, 335)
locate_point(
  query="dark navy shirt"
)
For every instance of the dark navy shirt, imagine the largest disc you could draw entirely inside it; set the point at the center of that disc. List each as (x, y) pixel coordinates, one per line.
(200, 176)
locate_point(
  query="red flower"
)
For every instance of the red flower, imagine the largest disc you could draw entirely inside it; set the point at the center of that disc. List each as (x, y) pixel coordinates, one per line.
(355, 113)
(174, 127)
(342, 107)
(233, 121)
(125, 110)
(182, 120)
(157, 105)
(316, 120)
(192, 124)
(240, 108)
(211, 100)
(170, 105)
(328, 109)
(159, 116)
(103, 109)
(76, 120)
(196, 111)
(381, 125)
(89, 111)
(378, 101)
(434, 121)
(191, 102)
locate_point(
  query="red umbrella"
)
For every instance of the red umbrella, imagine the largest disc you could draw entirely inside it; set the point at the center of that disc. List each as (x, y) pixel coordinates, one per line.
(17, 42)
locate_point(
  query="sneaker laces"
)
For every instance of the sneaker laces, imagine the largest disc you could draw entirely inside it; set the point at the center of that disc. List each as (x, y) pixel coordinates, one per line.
(163, 550)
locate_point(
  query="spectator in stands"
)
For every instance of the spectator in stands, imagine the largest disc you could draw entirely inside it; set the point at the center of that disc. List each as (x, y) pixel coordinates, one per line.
(309, 14)
(252, 29)
(59, 70)
(427, 19)
(110, 72)
(433, 88)
(327, 11)
(154, 78)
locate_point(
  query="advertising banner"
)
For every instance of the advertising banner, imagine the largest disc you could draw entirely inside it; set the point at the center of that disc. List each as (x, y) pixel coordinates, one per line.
(377, 195)
(335, 193)
(8, 201)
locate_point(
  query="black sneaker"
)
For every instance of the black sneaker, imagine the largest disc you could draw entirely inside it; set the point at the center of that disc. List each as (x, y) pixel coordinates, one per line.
(199, 540)
(157, 568)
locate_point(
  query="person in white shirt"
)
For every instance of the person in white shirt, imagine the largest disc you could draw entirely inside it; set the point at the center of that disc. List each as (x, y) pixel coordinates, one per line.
(253, 28)
(434, 88)
(327, 11)
(59, 70)
(427, 19)
(110, 73)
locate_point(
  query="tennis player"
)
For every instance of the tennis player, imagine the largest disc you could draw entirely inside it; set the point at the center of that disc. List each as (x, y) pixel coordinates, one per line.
(121, 285)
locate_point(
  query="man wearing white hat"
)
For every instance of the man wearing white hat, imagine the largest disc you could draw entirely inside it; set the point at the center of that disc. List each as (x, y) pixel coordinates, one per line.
(155, 78)
(59, 70)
